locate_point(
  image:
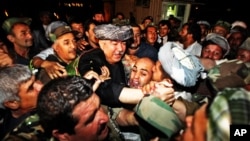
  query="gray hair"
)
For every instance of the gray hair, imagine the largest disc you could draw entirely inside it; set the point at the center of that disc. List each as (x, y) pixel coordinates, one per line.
(11, 78)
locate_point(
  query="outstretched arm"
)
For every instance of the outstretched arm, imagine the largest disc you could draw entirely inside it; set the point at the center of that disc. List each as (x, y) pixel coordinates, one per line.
(54, 69)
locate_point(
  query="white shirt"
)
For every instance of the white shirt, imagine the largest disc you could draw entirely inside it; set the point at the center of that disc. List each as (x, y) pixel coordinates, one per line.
(194, 49)
(45, 53)
(165, 39)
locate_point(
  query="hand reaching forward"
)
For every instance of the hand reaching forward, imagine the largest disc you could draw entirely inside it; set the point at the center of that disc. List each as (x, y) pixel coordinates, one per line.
(81, 44)
(162, 90)
(54, 69)
(105, 74)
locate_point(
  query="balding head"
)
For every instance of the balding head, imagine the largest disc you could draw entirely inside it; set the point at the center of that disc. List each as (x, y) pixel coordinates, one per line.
(142, 72)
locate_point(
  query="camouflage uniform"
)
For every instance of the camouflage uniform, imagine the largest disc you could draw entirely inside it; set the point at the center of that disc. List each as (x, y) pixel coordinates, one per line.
(232, 73)
(31, 130)
(156, 118)
(230, 106)
(28, 130)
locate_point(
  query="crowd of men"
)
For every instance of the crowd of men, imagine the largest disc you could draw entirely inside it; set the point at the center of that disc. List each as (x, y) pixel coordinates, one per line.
(95, 80)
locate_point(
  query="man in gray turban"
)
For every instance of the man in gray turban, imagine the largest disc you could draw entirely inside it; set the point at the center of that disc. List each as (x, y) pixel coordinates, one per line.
(115, 92)
(113, 41)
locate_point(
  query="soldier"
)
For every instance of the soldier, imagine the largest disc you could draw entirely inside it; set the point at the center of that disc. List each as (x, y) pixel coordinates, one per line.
(69, 109)
(212, 121)
(19, 91)
(19, 34)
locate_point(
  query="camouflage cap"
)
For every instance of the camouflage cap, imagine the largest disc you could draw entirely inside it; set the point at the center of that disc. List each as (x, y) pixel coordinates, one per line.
(8, 23)
(223, 24)
(159, 116)
(233, 73)
(113, 32)
(61, 30)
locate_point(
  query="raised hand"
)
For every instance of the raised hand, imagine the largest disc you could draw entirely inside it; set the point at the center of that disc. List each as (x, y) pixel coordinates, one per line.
(54, 69)
(5, 59)
(99, 78)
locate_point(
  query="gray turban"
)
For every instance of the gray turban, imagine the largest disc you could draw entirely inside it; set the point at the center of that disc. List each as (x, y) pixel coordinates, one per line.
(113, 32)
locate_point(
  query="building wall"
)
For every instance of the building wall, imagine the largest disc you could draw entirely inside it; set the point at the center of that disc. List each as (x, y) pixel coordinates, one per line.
(140, 12)
(108, 11)
(154, 8)
(124, 6)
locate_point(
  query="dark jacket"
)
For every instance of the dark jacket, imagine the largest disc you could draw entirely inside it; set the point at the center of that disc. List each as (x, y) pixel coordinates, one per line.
(110, 90)
(146, 50)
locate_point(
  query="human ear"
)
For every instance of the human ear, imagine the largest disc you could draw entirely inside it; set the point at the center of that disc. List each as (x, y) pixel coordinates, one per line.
(154, 68)
(101, 44)
(55, 45)
(60, 136)
(87, 33)
(10, 38)
(13, 105)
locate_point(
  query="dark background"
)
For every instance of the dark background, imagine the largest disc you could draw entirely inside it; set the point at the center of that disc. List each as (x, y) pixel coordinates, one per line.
(230, 11)
(210, 10)
(31, 8)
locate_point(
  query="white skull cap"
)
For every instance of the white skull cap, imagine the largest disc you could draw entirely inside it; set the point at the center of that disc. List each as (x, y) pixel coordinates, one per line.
(239, 23)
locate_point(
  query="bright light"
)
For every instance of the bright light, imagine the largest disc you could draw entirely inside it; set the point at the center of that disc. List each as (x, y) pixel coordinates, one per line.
(170, 10)
(56, 15)
(6, 13)
(73, 4)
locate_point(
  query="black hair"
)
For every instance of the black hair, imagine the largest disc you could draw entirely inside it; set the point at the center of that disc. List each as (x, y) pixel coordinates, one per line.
(57, 100)
(164, 22)
(195, 30)
(148, 18)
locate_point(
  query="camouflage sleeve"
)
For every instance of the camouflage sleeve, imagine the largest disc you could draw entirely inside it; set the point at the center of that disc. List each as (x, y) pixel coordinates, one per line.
(20, 138)
(28, 130)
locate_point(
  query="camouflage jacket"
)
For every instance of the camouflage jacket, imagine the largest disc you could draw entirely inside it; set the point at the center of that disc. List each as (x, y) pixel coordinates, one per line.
(28, 130)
